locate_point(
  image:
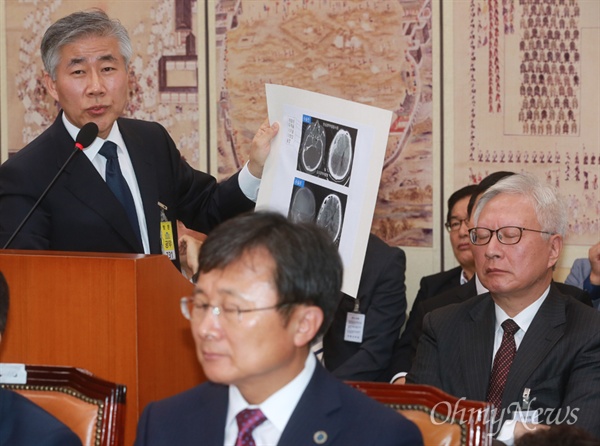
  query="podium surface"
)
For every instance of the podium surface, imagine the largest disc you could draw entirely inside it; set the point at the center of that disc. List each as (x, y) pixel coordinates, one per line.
(116, 315)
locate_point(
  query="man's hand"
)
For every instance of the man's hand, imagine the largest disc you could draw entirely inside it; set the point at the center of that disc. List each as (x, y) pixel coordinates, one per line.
(400, 381)
(261, 146)
(189, 250)
(525, 428)
(594, 256)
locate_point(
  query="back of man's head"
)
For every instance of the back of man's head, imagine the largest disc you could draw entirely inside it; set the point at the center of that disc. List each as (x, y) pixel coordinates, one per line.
(458, 195)
(308, 268)
(3, 303)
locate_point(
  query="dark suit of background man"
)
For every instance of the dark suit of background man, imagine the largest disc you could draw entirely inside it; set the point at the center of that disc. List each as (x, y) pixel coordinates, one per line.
(517, 237)
(86, 57)
(21, 421)
(266, 289)
(381, 299)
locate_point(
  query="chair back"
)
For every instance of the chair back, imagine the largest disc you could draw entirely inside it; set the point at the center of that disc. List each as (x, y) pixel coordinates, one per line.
(442, 419)
(91, 407)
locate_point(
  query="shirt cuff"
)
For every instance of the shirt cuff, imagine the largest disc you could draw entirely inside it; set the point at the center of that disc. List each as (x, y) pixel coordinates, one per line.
(397, 376)
(507, 433)
(249, 184)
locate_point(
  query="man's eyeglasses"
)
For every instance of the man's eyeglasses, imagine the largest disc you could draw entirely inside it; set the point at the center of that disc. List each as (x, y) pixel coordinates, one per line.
(195, 310)
(507, 235)
(454, 224)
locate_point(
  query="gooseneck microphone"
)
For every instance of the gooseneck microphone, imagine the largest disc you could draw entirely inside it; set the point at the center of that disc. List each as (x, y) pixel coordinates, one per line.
(85, 137)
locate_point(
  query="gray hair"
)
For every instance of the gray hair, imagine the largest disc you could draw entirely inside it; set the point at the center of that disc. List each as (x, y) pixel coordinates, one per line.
(550, 208)
(93, 22)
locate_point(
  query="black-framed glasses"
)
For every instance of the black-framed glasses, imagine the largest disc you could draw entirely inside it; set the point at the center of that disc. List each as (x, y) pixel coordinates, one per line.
(507, 235)
(454, 224)
(195, 310)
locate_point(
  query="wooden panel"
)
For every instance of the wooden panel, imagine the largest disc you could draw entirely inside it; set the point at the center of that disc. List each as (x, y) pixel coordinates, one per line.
(116, 315)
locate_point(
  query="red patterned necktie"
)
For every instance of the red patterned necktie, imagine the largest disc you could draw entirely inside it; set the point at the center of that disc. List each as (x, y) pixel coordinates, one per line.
(502, 362)
(248, 420)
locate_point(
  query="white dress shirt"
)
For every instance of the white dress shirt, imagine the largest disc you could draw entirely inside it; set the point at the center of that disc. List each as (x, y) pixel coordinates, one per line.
(277, 408)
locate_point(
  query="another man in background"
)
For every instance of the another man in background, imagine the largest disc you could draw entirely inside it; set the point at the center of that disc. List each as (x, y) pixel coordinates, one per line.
(21, 421)
(524, 345)
(266, 289)
(585, 274)
(375, 317)
(132, 181)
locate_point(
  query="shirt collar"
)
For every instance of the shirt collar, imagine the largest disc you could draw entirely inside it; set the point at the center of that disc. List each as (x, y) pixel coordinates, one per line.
(525, 317)
(91, 150)
(479, 286)
(278, 407)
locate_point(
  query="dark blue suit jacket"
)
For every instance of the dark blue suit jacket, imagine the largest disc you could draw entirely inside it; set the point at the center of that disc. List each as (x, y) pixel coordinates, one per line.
(80, 213)
(348, 417)
(23, 423)
(382, 299)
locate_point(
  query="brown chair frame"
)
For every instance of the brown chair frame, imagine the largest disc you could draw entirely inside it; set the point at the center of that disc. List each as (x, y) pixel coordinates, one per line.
(47, 383)
(470, 417)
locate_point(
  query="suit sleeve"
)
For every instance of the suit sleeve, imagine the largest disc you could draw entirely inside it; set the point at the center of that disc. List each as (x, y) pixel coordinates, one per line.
(426, 365)
(384, 318)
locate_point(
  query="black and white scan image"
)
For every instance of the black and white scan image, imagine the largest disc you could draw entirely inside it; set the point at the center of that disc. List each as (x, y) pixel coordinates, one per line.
(326, 150)
(313, 203)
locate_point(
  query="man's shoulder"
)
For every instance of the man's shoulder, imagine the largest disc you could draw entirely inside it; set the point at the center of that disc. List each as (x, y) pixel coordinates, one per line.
(204, 394)
(18, 414)
(442, 281)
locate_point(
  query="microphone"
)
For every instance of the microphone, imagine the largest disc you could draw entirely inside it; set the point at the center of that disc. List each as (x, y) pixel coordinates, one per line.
(85, 137)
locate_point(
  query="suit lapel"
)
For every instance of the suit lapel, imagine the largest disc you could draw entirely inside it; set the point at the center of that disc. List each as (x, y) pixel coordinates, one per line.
(86, 184)
(547, 327)
(317, 413)
(143, 165)
(477, 347)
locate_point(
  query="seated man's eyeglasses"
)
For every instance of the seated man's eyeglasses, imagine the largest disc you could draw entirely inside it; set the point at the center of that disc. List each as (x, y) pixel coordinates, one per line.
(195, 310)
(507, 235)
(454, 224)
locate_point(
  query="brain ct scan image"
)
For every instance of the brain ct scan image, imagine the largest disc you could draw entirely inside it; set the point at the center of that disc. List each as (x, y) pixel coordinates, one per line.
(330, 216)
(303, 208)
(340, 155)
(313, 147)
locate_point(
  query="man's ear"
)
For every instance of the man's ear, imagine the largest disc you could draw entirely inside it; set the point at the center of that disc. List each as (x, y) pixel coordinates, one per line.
(309, 319)
(50, 86)
(556, 244)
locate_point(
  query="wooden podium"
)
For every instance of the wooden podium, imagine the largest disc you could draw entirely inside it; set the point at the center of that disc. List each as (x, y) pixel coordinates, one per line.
(116, 315)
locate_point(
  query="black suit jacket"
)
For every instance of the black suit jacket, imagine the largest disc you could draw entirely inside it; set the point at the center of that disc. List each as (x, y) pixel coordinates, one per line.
(558, 359)
(24, 423)
(382, 299)
(429, 287)
(346, 416)
(462, 293)
(80, 213)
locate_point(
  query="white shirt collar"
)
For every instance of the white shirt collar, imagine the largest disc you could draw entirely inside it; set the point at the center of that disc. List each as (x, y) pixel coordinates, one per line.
(278, 407)
(525, 317)
(479, 286)
(92, 150)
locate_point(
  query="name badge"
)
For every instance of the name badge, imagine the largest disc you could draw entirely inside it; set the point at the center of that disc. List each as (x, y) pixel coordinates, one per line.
(167, 242)
(355, 325)
(527, 416)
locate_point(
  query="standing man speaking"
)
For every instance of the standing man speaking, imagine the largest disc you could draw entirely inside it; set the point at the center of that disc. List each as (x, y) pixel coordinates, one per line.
(114, 196)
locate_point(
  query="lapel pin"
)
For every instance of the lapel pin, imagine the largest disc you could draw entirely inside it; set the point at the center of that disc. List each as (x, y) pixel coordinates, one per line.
(320, 437)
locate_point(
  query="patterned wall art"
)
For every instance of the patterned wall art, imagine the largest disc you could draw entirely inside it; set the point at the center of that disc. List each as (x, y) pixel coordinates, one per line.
(376, 52)
(527, 97)
(164, 69)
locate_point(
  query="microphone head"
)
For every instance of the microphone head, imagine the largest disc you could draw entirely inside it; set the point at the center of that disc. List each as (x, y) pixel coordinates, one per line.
(86, 135)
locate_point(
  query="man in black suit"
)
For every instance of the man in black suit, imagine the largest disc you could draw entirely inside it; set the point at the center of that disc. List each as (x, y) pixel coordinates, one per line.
(266, 288)
(434, 284)
(23, 422)
(381, 305)
(551, 364)
(86, 57)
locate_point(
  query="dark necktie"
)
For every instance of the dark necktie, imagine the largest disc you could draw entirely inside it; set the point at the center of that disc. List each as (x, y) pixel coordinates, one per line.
(248, 420)
(502, 362)
(117, 184)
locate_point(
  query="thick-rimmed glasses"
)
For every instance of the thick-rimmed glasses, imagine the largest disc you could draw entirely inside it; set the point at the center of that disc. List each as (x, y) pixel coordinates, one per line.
(507, 235)
(195, 310)
(454, 224)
